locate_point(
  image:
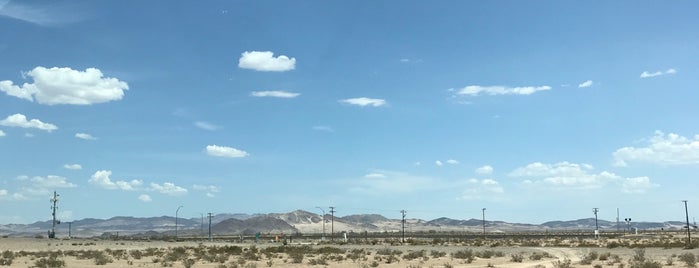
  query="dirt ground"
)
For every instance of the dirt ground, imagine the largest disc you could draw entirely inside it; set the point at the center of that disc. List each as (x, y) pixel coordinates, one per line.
(371, 259)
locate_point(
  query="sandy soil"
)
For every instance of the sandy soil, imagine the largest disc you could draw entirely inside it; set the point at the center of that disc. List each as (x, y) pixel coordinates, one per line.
(283, 260)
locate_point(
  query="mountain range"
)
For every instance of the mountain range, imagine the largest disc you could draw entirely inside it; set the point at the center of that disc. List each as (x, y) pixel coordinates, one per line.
(301, 221)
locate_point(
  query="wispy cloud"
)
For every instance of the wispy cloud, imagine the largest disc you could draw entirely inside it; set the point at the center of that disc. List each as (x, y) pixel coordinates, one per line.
(275, 94)
(145, 198)
(476, 90)
(646, 74)
(73, 166)
(206, 126)
(20, 120)
(168, 188)
(55, 14)
(266, 62)
(2, 133)
(323, 128)
(585, 84)
(84, 136)
(484, 170)
(67, 86)
(363, 101)
(225, 151)
(210, 190)
(481, 189)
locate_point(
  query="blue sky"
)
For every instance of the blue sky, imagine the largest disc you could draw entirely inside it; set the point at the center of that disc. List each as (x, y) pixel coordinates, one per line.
(535, 110)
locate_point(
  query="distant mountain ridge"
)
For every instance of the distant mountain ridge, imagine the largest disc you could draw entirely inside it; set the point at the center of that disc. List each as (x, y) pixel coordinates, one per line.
(300, 221)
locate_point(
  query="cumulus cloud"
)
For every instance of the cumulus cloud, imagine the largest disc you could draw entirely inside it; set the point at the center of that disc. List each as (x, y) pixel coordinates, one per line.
(480, 189)
(224, 151)
(662, 149)
(637, 185)
(484, 170)
(565, 175)
(20, 120)
(101, 179)
(585, 84)
(363, 101)
(206, 126)
(168, 188)
(67, 86)
(274, 94)
(51, 181)
(84, 136)
(475, 90)
(265, 61)
(145, 198)
(73, 166)
(210, 190)
(452, 162)
(438, 163)
(39, 186)
(646, 74)
(2, 133)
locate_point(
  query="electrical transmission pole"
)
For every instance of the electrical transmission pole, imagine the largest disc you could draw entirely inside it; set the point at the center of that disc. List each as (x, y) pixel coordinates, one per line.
(402, 222)
(484, 223)
(210, 216)
(332, 223)
(54, 200)
(176, 212)
(323, 237)
(686, 213)
(595, 210)
(70, 226)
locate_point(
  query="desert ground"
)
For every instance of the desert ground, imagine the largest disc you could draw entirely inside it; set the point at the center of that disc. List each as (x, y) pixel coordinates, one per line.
(33, 252)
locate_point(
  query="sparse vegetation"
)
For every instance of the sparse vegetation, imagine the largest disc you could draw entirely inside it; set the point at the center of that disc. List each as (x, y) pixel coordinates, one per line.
(689, 259)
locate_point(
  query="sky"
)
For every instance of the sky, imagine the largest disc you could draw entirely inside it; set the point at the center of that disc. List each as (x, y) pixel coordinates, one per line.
(534, 110)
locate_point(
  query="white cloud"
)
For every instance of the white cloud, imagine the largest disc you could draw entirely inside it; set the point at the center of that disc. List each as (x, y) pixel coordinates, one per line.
(84, 136)
(565, 175)
(29, 135)
(2, 133)
(45, 14)
(145, 198)
(206, 126)
(265, 61)
(39, 186)
(20, 120)
(363, 101)
(168, 189)
(374, 175)
(393, 183)
(67, 86)
(452, 162)
(670, 149)
(585, 84)
(480, 189)
(51, 181)
(275, 94)
(475, 90)
(101, 179)
(73, 166)
(646, 74)
(224, 151)
(637, 185)
(323, 128)
(209, 189)
(438, 163)
(484, 170)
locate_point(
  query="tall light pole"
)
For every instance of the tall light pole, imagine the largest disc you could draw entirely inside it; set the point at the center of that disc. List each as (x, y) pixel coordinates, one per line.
(686, 213)
(595, 210)
(322, 210)
(483, 223)
(176, 215)
(402, 212)
(332, 223)
(201, 228)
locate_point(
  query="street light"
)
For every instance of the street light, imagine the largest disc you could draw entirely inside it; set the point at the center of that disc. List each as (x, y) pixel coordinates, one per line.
(176, 214)
(322, 210)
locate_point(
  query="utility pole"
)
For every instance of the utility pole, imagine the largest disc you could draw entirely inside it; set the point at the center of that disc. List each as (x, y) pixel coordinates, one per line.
(403, 224)
(483, 223)
(323, 237)
(617, 221)
(686, 213)
(70, 225)
(628, 224)
(54, 200)
(210, 216)
(201, 227)
(595, 210)
(332, 223)
(176, 212)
